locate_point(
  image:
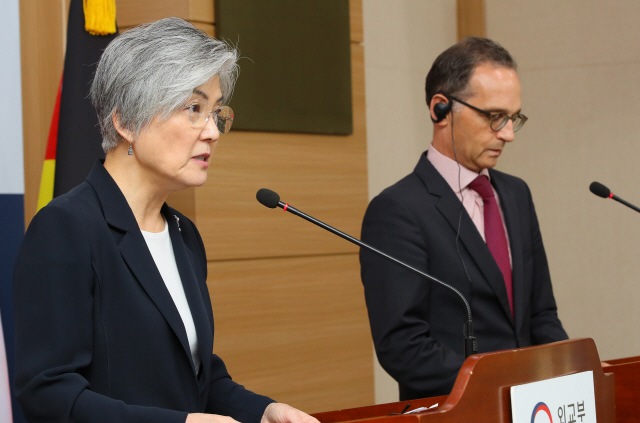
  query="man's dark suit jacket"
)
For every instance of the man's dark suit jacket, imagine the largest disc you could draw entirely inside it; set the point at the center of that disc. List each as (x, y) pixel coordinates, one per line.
(99, 338)
(417, 326)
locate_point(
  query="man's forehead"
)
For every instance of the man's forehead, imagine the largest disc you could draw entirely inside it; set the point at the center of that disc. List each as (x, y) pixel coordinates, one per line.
(497, 86)
(491, 74)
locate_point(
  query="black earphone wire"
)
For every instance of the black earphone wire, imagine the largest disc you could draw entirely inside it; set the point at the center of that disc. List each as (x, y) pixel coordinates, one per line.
(462, 209)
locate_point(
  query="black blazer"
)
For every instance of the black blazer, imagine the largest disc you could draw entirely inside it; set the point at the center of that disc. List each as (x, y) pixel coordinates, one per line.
(99, 338)
(417, 326)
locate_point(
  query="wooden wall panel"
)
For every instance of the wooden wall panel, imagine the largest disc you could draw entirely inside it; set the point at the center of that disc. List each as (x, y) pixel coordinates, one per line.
(288, 302)
(206, 27)
(322, 175)
(42, 43)
(134, 12)
(357, 30)
(471, 19)
(290, 315)
(295, 329)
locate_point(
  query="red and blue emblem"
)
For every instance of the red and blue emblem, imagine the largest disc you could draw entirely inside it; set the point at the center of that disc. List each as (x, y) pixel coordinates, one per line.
(540, 407)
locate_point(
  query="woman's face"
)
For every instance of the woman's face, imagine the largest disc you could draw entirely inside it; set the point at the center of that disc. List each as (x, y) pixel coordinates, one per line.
(174, 154)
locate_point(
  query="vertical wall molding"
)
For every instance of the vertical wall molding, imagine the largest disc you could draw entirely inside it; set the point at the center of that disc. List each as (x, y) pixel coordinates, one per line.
(471, 18)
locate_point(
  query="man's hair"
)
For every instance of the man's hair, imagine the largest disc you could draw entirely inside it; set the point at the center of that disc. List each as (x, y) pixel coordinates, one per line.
(151, 70)
(451, 71)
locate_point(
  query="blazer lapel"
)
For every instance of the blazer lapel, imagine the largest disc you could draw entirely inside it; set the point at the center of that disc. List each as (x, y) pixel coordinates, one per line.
(134, 250)
(509, 209)
(186, 266)
(450, 207)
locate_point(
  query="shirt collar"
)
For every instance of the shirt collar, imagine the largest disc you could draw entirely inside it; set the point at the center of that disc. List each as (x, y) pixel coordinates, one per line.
(449, 170)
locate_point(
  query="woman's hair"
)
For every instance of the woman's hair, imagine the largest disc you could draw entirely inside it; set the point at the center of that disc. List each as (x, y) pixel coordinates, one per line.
(151, 70)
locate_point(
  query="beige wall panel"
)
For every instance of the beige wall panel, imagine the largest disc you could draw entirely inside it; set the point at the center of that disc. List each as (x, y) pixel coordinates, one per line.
(548, 33)
(42, 35)
(134, 12)
(295, 329)
(402, 39)
(398, 140)
(324, 176)
(580, 70)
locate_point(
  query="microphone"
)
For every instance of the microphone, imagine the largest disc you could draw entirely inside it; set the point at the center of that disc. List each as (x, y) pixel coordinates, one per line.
(271, 199)
(601, 191)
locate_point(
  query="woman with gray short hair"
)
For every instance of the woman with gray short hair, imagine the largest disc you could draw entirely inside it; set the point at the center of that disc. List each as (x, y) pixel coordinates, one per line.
(113, 317)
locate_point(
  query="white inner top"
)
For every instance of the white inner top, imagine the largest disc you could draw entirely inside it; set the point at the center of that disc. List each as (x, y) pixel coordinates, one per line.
(162, 252)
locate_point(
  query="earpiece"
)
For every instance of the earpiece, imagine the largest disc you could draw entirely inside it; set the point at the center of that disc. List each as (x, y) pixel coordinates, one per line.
(441, 110)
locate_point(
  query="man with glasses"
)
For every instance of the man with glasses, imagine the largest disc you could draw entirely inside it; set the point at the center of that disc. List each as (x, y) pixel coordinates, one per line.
(458, 219)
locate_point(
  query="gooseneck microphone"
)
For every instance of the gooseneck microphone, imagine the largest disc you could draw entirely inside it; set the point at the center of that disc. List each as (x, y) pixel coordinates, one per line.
(601, 191)
(271, 199)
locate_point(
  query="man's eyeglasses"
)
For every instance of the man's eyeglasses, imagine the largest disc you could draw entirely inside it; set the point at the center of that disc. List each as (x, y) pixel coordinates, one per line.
(497, 121)
(199, 115)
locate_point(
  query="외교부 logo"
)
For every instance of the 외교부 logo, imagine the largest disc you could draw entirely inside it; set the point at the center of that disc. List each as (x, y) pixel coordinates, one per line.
(540, 407)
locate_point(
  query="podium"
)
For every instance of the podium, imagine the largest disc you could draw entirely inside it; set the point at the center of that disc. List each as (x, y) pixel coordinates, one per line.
(481, 392)
(627, 383)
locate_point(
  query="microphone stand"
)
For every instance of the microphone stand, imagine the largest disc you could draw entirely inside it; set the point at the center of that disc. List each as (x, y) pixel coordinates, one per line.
(470, 342)
(626, 203)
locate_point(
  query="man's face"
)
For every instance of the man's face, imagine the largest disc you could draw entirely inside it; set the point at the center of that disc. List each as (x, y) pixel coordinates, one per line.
(494, 89)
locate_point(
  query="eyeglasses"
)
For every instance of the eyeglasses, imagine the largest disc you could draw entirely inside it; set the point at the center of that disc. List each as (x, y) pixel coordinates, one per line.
(497, 121)
(199, 115)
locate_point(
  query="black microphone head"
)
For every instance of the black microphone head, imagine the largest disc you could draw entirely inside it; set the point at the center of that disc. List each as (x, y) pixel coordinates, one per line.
(268, 198)
(600, 190)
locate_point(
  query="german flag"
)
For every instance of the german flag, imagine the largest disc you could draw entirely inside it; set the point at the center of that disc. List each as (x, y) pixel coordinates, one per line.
(49, 167)
(74, 142)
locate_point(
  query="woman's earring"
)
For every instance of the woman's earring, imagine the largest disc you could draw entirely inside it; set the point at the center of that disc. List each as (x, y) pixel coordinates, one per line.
(130, 152)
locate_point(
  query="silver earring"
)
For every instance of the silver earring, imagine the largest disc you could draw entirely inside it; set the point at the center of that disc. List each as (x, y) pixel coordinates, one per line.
(130, 152)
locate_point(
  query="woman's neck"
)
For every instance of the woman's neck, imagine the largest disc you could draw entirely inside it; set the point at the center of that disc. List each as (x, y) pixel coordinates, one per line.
(143, 195)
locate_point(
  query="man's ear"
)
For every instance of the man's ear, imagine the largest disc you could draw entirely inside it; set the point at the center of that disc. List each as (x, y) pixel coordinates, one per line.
(439, 108)
(124, 133)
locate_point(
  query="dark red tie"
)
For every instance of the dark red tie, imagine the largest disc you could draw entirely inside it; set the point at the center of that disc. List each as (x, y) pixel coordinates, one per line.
(494, 232)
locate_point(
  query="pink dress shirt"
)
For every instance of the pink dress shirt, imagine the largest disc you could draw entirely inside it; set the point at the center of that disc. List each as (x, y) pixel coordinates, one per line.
(471, 200)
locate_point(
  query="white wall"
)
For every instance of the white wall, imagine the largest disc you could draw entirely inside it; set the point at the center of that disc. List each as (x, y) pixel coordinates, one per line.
(11, 163)
(401, 40)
